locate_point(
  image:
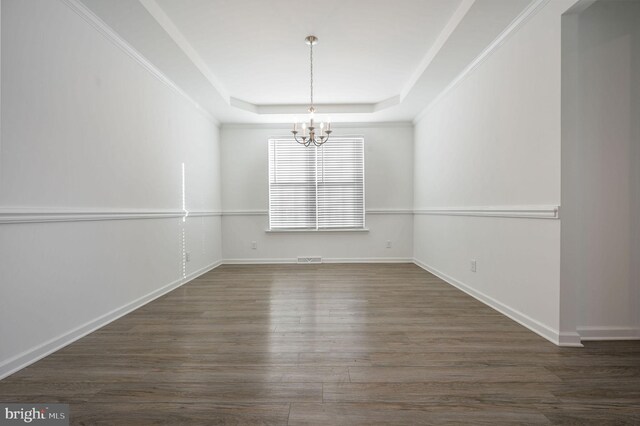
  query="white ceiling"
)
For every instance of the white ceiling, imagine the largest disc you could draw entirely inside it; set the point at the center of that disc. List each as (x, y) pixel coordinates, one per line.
(367, 49)
(246, 60)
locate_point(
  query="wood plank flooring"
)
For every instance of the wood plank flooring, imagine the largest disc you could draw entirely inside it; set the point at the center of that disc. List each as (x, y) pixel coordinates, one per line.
(329, 345)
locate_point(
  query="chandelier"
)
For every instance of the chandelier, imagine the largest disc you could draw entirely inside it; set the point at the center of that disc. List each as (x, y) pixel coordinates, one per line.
(312, 137)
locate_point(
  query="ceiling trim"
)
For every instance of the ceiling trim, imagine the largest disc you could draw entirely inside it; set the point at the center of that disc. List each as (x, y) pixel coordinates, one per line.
(521, 19)
(300, 108)
(160, 16)
(433, 51)
(304, 108)
(176, 35)
(106, 31)
(236, 110)
(579, 6)
(338, 125)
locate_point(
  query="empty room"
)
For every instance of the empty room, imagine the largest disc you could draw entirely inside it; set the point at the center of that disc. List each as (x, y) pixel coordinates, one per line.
(330, 212)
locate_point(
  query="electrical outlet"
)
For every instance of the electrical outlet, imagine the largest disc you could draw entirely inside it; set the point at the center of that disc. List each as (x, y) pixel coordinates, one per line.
(473, 265)
(388, 243)
(254, 245)
(187, 256)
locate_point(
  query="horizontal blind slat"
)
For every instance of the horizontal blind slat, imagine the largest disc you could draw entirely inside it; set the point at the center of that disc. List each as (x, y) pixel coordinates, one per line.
(316, 188)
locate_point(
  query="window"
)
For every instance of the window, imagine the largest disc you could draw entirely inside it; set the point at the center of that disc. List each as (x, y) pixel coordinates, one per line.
(315, 188)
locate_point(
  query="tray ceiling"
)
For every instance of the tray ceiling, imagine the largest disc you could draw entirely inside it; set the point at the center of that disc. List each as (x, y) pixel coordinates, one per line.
(246, 60)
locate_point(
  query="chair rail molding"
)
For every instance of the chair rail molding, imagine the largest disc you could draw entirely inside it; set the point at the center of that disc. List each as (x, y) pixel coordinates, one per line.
(514, 211)
(266, 212)
(32, 215)
(9, 215)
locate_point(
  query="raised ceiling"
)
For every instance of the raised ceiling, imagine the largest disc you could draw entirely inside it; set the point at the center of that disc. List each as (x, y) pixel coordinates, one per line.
(246, 60)
(367, 49)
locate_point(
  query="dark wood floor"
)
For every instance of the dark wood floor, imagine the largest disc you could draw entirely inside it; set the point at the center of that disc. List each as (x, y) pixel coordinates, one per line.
(329, 344)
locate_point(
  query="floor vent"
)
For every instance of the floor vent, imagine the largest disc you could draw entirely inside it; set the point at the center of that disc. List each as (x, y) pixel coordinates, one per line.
(316, 259)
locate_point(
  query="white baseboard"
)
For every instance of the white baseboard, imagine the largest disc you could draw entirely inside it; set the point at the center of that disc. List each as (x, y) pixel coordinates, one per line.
(569, 339)
(258, 261)
(609, 333)
(30, 356)
(368, 260)
(564, 339)
(324, 260)
(561, 339)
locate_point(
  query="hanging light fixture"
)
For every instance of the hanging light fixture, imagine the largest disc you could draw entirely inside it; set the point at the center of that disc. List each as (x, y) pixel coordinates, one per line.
(312, 137)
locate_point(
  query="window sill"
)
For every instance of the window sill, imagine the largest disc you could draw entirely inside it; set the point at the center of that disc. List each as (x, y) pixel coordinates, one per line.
(287, 231)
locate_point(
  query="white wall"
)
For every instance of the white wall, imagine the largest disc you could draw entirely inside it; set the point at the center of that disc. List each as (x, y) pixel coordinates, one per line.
(388, 198)
(601, 170)
(493, 141)
(87, 131)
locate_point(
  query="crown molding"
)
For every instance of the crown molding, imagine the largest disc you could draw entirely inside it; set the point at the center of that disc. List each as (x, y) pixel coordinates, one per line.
(579, 6)
(444, 35)
(355, 108)
(157, 13)
(264, 109)
(334, 125)
(99, 25)
(520, 20)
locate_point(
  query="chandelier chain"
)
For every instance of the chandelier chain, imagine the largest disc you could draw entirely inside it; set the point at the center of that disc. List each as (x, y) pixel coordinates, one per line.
(311, 62)
(317, 136)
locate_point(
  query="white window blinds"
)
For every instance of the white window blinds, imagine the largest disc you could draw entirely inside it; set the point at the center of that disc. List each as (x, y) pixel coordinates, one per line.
(316, 187)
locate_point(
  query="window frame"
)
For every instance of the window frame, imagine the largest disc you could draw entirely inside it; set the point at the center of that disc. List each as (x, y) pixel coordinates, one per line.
(362, 228)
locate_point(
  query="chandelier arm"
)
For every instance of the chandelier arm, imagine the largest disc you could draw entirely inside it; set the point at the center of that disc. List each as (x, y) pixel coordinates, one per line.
(322, 141)
(295, 137)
